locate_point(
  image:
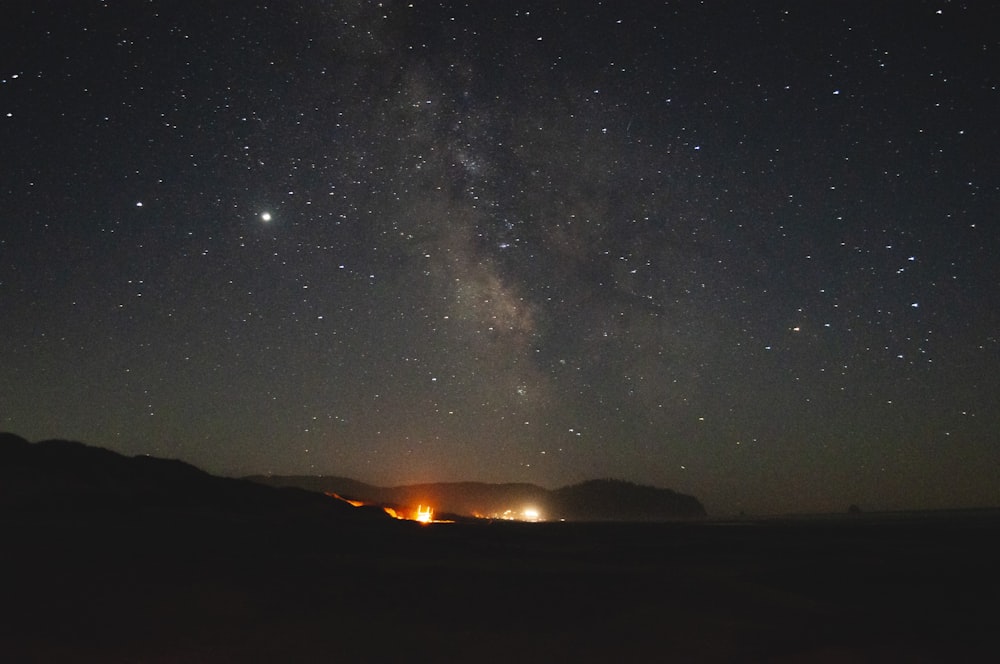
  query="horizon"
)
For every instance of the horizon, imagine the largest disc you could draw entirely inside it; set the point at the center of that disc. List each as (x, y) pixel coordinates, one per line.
(710, 515)
(742, 251)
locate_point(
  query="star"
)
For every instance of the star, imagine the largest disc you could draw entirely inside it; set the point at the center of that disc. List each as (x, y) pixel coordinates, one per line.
(574, 233)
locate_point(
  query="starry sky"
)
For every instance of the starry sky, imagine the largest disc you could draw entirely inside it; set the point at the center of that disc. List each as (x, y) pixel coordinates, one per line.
(744, 250)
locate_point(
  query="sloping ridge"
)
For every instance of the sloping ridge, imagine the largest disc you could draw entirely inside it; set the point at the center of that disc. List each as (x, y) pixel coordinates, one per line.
(593, 500)
(66, 476)
(614, 500)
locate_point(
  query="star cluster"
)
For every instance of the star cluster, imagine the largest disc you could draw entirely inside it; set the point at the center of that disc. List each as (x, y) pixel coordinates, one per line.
(743, 250)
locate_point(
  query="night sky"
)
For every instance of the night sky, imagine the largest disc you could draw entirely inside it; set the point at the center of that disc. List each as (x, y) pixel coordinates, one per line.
(744, 250)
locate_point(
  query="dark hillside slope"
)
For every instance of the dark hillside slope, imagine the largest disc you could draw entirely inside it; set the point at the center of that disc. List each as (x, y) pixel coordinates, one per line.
(615, 500)
(59, 475)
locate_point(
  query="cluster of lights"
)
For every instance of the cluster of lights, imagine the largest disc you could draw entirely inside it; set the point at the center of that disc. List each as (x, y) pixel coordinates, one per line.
(425, 513)
(527, 514)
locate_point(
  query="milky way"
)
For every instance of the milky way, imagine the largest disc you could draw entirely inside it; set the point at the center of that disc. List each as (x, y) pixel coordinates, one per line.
(746, 252)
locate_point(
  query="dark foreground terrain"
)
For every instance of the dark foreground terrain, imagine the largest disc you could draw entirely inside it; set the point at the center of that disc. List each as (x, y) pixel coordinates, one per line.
(206, 591)
(144, 581)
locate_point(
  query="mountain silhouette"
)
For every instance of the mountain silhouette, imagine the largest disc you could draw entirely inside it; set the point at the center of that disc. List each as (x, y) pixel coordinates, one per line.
(617, 500)
(593, 500)
(65, 476)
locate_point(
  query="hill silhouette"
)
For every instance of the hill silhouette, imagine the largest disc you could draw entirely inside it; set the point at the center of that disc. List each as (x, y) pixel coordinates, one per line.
(66, 476)
(61, 474)
(616, 500)
(593, 500)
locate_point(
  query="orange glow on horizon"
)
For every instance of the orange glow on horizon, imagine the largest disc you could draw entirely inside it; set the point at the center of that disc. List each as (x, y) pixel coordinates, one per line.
(356, 503)
(423, 514)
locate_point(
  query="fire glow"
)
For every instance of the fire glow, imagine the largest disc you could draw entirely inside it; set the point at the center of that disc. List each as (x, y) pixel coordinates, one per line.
(423, 514)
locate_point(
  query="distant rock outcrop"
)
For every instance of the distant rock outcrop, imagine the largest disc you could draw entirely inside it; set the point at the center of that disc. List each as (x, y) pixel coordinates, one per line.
(594, 500)
(616, 500)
